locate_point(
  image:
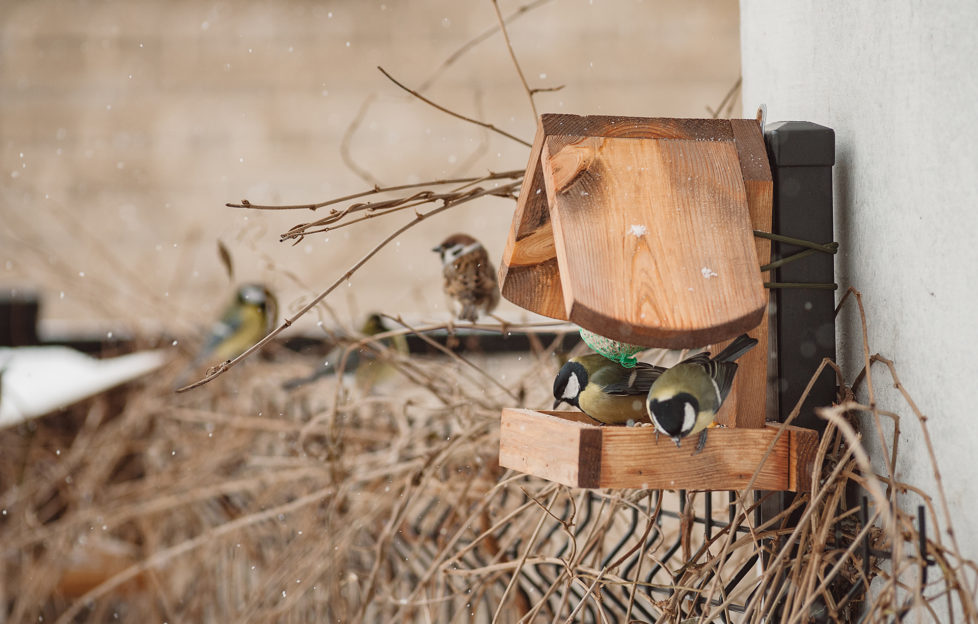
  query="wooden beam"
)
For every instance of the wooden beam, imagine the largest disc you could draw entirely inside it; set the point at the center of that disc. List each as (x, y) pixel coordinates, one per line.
(653, 239)
(565, 447)
(750, 385)
(528, 273)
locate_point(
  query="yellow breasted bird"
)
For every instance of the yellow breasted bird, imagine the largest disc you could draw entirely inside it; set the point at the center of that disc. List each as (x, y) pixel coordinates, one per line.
(605, 390)
(685, 398)
(371, 369)
(244, 322)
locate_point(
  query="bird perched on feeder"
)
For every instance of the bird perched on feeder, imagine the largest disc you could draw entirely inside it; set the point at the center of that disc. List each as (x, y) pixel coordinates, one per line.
(244, 322)
(685, 399)
(605, 390)
(470, 278)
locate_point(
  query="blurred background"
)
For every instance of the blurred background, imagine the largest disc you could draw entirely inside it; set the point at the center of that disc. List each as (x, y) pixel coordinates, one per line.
(281, 492)
(126, 126)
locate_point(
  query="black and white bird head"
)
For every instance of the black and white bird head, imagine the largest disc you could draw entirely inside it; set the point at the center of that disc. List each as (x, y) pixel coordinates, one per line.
(569, 383)
(675, 416)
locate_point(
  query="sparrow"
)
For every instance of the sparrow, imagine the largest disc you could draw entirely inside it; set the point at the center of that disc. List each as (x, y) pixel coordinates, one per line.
(470, 278)
(685, 399)
(605, 390)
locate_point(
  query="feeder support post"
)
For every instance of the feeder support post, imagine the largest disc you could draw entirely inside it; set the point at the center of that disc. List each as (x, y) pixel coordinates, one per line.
(802, 154)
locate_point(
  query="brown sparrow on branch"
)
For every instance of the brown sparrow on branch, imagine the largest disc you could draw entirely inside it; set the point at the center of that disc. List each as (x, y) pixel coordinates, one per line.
(470, 278)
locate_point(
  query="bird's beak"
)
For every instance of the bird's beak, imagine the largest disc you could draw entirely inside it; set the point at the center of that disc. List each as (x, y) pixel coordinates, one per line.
(677, 440)
(557, 403)
(436, 249)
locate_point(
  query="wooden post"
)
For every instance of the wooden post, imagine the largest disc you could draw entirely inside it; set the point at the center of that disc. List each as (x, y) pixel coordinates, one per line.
(802, 154)
(18, 317)
(747, 407)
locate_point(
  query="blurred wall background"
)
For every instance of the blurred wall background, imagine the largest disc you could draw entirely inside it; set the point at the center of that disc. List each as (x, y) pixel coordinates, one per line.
(126, 126)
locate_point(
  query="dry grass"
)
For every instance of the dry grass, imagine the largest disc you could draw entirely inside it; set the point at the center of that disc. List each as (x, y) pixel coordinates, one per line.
(240, 501)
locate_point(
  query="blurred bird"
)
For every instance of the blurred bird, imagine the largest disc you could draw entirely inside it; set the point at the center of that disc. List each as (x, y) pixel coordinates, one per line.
(245, 321)
(370, 370)
(374, 369)
(685, 398)
(605, 390)
(470, 278)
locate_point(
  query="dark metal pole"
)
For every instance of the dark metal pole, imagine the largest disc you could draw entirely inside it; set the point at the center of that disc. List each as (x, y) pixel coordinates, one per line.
(803, 321)
(802, 154)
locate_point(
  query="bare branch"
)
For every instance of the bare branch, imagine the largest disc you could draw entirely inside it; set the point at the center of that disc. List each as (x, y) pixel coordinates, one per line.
(374, 191)
(451, 112)
(512, 55)
(220, 370)
(729, 97)
(364, 175)
(471, 43)
(379, 209)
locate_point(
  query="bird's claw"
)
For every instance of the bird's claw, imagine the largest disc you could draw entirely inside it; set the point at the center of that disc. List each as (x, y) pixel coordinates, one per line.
(702, 441)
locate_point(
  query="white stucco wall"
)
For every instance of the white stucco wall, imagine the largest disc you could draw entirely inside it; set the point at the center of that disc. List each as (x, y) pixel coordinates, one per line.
(898, 81)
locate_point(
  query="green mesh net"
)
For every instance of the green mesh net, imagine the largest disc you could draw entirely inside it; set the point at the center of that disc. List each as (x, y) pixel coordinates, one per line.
(620, 352)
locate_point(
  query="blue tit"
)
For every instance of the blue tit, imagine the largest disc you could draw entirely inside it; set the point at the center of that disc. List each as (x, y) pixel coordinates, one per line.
(605, 390)
(245, 321)
(685, 398)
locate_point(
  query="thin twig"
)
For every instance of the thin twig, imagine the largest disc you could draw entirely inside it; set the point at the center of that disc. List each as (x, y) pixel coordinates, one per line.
(362, 173)
(512, 55)
(375, 191)
(289, 321)
(471, 43)
(488, 126)
(729, 97)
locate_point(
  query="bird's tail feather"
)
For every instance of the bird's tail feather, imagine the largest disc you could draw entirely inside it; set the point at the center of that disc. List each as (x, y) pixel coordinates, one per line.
(741, 345)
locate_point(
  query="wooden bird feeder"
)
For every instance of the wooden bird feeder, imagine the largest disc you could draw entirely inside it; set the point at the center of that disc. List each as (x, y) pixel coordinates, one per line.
(641, 230)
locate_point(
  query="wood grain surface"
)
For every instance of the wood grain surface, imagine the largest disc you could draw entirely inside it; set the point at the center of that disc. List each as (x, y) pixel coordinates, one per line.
(639, 228)
(751, 382)
(653, 239)
(563, 447)
(528, 272)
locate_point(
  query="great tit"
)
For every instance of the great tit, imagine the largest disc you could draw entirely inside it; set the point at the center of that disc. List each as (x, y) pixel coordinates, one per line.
(605, 390)
(685, 398)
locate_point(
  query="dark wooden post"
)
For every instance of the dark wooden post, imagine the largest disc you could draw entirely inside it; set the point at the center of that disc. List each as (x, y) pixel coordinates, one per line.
(802, 154)
(803, 326)
(18, 317)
